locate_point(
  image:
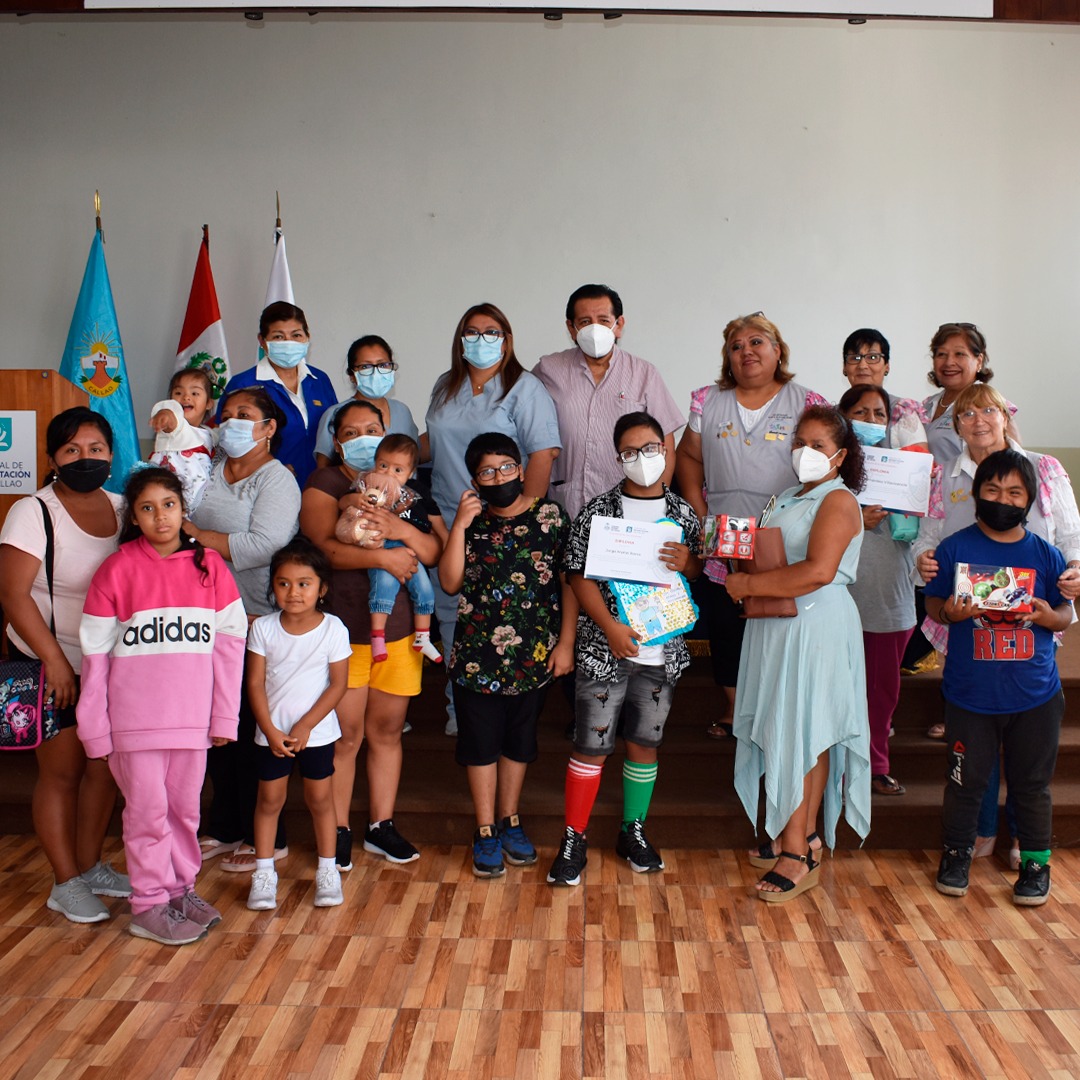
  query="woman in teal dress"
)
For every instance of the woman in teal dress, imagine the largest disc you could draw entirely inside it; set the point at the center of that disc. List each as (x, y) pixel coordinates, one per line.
(800, 710)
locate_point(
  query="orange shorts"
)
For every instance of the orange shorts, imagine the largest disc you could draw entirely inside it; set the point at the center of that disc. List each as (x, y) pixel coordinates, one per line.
(398, 674)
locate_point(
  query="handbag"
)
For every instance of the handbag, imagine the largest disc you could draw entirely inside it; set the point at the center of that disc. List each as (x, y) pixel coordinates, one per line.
(769, 554)
(27, 719)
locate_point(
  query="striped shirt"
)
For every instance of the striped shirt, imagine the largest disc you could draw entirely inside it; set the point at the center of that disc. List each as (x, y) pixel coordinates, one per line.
(588, 411)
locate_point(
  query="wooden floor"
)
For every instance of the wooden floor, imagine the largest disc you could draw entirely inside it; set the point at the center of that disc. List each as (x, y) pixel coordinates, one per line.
(429, 972)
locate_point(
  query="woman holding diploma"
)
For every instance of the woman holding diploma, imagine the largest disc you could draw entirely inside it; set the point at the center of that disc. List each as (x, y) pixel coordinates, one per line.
(800, 709)
(882, 592)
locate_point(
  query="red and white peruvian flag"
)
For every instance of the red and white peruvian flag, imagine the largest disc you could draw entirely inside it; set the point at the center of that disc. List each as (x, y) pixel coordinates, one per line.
(202, 340)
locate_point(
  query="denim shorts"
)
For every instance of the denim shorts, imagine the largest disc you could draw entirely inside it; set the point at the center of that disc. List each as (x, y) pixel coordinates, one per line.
(641, 694)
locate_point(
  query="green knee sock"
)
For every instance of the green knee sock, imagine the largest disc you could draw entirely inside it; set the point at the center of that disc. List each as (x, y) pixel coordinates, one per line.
(638, 782)
(1041, 857)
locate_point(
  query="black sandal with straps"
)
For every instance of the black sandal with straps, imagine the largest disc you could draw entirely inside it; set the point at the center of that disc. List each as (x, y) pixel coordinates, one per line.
(789, 889)
(765, 858)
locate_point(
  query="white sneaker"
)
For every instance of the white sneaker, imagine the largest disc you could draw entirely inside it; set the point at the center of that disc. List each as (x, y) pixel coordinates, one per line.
(263, 894)
(327, 888)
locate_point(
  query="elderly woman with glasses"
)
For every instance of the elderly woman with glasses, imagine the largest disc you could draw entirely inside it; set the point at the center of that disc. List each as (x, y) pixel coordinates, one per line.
(734, 455)
(980, 417)
(486, 389)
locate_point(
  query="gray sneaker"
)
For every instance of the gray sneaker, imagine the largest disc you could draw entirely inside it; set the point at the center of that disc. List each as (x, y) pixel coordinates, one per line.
(164, 924)
(76, 902)
(105, 881)
(195, 909)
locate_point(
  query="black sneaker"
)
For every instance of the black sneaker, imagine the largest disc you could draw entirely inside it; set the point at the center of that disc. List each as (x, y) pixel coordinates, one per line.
(952, 875)
(343, 852)
(571, 860)
(634, 846)
(383, 839)
(1032, 888)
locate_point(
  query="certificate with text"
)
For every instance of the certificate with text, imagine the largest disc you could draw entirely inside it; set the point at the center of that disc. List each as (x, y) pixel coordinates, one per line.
(897, 480)
(624, 550)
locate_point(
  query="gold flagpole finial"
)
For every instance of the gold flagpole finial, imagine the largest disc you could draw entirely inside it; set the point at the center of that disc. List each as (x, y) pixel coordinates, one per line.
(277, 195)
(97, 214)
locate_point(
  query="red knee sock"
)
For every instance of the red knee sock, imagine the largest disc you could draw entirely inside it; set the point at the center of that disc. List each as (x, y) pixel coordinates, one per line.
(582, 785)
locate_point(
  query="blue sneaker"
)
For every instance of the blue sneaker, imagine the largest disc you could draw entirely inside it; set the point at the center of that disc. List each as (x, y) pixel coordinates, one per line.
(487, 853)
(517, 847)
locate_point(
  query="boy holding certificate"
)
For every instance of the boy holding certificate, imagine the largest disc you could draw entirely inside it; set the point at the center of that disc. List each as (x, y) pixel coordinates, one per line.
(619, 676)
(1001, 682)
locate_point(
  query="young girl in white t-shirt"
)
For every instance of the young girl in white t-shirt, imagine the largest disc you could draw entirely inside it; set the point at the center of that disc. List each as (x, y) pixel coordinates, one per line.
(297, 670)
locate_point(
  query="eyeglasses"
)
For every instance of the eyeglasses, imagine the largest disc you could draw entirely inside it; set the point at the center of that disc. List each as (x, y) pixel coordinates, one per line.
(386, 368)
(505, 469)
(874, 359)
(968, 416)
(649, 450)
(490, 336)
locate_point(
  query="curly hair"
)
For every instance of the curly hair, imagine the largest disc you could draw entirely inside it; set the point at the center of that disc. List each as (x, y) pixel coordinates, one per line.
(852, 468)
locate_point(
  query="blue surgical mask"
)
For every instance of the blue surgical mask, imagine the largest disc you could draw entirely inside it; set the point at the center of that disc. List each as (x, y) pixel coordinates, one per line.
(482, 354)
(376, 384)
(286, 354)
(868, 434)
(359, 453)
(237, 437)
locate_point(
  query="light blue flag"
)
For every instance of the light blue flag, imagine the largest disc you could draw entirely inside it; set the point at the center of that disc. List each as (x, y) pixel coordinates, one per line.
(94, 361)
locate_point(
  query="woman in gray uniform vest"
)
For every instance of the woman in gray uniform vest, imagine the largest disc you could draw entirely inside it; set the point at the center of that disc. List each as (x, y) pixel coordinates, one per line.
(734, 455)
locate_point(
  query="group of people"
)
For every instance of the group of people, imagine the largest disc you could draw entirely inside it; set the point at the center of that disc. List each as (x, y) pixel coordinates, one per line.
(282, 562)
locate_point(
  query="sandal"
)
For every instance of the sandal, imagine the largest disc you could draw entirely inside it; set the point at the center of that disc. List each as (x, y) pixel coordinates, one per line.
(789, 889)
(720, 731)
(935, 731)
(883, 784)
(765, 858)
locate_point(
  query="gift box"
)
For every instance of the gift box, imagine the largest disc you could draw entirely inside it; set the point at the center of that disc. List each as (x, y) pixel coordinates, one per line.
(729, 537)
(996, 588)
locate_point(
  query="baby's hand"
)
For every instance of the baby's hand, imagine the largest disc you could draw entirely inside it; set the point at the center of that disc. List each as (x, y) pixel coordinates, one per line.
(163, 421)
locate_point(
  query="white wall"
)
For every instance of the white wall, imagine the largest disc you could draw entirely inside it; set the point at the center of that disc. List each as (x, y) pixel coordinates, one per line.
(894, 174)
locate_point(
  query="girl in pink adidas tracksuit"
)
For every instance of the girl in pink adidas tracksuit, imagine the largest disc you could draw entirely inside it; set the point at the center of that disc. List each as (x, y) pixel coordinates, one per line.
(163, 635)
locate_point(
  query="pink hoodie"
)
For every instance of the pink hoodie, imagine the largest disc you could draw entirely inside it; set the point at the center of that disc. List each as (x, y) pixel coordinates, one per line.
(163, 653)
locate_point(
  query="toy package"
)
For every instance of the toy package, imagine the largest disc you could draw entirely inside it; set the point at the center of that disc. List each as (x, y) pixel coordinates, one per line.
(729, 537)
(996, 588)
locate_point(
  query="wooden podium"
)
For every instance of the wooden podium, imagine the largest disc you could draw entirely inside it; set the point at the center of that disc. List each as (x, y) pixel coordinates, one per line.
(45, 392)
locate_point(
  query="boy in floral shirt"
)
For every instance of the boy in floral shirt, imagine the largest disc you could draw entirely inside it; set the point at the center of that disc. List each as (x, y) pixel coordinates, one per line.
(515, 633)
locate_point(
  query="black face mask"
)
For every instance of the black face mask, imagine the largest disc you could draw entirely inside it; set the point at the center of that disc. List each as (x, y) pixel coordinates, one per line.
(1000, 517)
(84, 475)
(501, 495)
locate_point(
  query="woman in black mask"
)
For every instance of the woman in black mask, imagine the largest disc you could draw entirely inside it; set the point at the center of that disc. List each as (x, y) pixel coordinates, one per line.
(73, 798)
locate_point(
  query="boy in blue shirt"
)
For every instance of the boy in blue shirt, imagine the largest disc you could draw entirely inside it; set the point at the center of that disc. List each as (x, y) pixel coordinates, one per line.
(1001, 682)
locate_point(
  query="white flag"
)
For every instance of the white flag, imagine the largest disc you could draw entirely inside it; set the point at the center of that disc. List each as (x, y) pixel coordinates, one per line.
(279, 286)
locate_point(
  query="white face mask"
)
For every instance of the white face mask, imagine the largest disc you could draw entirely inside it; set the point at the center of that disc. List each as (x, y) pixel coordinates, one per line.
(645, 471)
(811, 464)
(596, 340)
